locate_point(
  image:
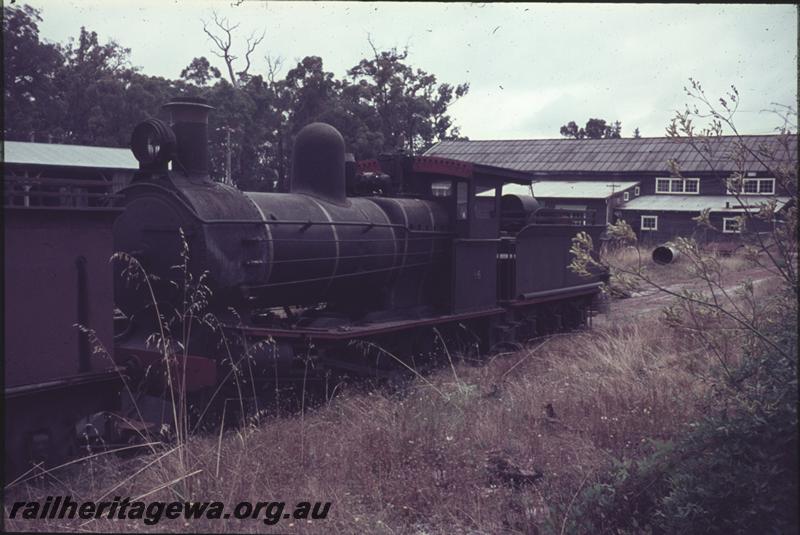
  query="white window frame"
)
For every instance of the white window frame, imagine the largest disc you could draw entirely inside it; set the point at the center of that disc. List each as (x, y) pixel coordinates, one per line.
(626, 196)
(677, 186)
(637, 191)
(757, 181)
(725, 229)
(655, 223)
(750, 182)
(658, 189)
(763, 181)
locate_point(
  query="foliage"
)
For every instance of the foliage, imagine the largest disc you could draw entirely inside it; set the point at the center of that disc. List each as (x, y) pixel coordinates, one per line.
(776, 250)
(594, 129)
(411, 105)
(87, 92)
(200, 71)
(734, 472)
(29, 69)
(80, 92)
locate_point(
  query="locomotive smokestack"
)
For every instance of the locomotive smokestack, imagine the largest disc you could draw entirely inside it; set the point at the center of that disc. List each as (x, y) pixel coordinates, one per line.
(190, 123)
(318, 163)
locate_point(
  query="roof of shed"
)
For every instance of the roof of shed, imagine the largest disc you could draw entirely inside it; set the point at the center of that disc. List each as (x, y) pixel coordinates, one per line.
(25, 153)
(581, 189)
(556, 189)
(698, 203)
(618, 155)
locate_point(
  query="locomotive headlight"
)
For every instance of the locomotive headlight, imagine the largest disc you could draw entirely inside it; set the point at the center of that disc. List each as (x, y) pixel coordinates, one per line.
(153, 143)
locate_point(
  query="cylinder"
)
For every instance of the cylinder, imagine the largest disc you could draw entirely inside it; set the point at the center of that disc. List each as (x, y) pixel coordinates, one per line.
(190, 124)
(664, 254)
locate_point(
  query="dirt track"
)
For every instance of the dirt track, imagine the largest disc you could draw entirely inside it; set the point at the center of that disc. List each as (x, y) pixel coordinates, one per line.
(653, 300)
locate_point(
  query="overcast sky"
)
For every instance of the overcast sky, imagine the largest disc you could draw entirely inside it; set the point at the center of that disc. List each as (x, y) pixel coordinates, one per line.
(531, 67)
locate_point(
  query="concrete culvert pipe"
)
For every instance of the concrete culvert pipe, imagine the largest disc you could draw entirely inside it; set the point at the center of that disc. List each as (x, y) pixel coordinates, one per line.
(664, 254)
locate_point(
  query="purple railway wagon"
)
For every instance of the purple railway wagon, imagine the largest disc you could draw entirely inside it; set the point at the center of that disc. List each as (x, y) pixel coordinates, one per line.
(56, 277)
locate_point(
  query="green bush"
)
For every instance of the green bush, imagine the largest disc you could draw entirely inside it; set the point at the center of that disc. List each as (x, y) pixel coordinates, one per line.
(734, 472)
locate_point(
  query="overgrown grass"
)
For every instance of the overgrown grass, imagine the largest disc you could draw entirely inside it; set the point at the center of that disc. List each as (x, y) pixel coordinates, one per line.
(420, 461)
(633, 257)
(426, 458)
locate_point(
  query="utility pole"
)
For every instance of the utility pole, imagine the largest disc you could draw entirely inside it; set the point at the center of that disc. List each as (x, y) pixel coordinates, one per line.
(228, 179)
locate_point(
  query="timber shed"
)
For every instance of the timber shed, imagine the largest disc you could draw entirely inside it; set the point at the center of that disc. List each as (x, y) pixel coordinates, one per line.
(674, 181)
(74, 175)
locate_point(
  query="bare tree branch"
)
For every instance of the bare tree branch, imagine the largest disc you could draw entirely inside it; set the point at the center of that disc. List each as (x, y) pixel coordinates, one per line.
(221, 34)
(252, 43)
(273, 67)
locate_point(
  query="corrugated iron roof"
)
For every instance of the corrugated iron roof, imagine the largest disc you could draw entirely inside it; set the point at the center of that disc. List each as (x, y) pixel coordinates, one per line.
(21, 152)
(578, 189)
(616, 155)
(698, 203)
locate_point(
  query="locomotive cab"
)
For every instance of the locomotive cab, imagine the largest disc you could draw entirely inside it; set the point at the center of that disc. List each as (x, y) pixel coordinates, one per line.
(471, 194)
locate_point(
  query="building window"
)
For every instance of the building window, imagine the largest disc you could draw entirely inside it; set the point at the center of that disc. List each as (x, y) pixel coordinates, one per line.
(678, 185)
(636, 191)
(753, 186)
(462, 202)
(766, 186)
(649, 222)
(626, 196)
(730, 225)
(442, 188)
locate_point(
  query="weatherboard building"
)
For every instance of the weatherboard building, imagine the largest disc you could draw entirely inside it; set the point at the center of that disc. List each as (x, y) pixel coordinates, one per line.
(52, 174)
(633, 179)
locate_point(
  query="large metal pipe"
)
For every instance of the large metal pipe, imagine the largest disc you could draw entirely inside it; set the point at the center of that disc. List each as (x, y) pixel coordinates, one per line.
(665, 254)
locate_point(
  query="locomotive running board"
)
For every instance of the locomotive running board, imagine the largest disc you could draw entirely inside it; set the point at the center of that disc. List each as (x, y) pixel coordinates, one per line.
(111, 375)
(558, 294)
(359, 331)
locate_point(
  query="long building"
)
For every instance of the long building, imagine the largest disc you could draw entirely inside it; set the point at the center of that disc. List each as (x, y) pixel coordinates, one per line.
(658, 185)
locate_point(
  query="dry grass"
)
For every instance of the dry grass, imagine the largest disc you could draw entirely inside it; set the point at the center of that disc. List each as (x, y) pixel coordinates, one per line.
(631, 258)
(415, 462)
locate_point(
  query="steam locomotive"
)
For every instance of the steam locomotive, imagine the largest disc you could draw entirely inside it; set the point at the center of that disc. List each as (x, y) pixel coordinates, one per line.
(358, 260)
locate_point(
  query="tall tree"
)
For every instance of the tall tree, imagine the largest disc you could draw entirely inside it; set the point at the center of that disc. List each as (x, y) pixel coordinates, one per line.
(200, 72)
(221, 31)
(313, 92)
(571, 129)
(411, 105)
(30, 67)
(91, 83)
(87, 92)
